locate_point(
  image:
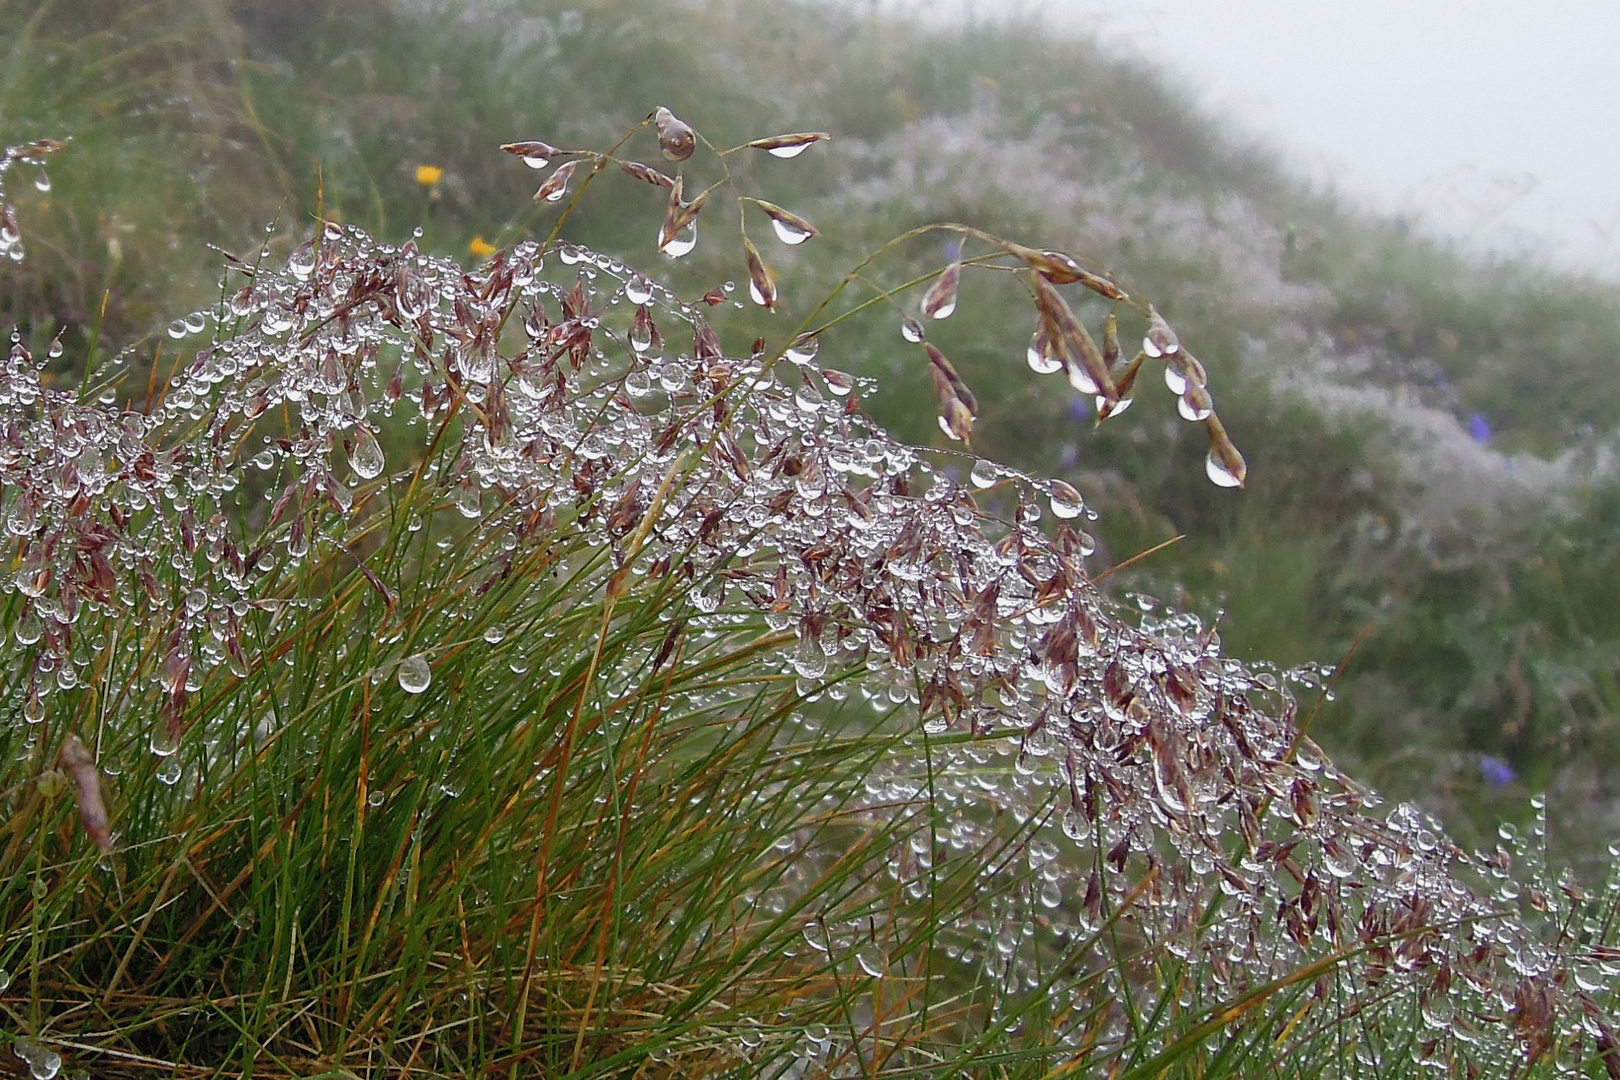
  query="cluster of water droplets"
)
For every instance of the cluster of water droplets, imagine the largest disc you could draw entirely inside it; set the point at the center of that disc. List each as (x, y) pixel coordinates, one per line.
(1089, 764)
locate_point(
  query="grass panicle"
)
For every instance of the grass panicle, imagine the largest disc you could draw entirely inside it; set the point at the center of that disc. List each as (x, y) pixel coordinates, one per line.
(454, 672)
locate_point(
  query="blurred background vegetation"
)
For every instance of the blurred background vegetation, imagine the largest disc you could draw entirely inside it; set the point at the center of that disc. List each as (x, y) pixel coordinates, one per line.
(1430, 436)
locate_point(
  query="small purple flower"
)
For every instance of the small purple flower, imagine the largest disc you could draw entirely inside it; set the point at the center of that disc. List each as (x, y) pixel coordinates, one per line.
(1479, 429)
(1496, 772)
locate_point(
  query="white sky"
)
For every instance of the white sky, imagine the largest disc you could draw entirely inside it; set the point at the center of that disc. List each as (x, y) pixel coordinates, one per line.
(1497, 121)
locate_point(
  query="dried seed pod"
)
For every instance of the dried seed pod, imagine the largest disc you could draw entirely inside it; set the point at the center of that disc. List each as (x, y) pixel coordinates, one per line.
(1224, 466)
(941, 299)
(788, 146)
(957, 406)
(1160, 340)
(675, 137)
(677, 217)
(1062, 269)
(647, 175)
(556, 185)
(761, 281)
(1110, 347)
(535, 154)
(81, 766)
(790, 228)
(1082, 357)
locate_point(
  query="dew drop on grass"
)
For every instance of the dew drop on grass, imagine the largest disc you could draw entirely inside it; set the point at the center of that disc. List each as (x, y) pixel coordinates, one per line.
(789, 233)
(681, 243)
(638, 290)
(177, 329)
(414, 674)
(1219, 474)
(366, 459)
(1065, 501)
(43, 1062)
(42, 182)
(162, 743)
(872, 960)
(803, 350)
(5, 979)
(169, 772)
(1040, 359)
(1196, 410)
(984, 474)
(788, 152)
(1174, 379)
(911, 330)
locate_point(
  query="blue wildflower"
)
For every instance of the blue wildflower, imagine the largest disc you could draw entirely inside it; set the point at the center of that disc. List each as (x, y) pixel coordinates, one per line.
(1496, 772)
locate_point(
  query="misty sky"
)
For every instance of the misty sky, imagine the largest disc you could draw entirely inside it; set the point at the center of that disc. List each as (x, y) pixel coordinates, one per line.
(1493, 120)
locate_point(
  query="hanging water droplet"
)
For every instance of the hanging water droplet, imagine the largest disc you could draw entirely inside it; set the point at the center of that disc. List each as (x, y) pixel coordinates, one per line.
(177, 329)
(1065, 501)
(1175, 379)
(414, 674)
(984, 474)
(911, 330)
(196, 322)
(839, 383)
(682, 242)
(1040, 358)
(1219, 473)
(638, 290)
(169, 772)
(42, 182)
(366, 458)
(789, 232)
(872, 959)
(1195, 405)
(803, 350)
(302, 260)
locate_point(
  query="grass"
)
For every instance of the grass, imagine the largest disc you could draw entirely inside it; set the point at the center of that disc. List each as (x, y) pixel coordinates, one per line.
(283, 894)
(437, 676)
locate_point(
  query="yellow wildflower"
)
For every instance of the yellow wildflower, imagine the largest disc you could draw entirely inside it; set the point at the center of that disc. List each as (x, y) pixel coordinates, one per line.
(481, 247)
(429, 175)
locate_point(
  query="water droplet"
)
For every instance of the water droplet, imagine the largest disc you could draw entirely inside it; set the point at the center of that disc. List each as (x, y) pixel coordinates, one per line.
(1065, 501)
(1040, 359)
(42, 182)
(1194, 406)
(787, 153)
(302, 260)
(43, 1062)
(414, 674)
(682, 242)
(638, 290)
(911, 330)
(366, 458)
(789, 232)
(872, 959)
(177, 329)
(1219, 474)
(803, 350)
(984, 474)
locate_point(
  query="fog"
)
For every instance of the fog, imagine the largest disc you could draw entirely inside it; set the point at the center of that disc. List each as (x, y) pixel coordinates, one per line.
(1494, 122)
